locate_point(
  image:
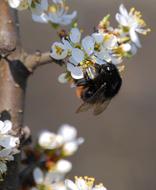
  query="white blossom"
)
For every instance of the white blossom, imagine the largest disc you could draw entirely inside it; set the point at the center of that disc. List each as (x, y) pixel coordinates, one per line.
(59, 51)
(65, 138)
(133, 22)
(39, 11)
(49, 180)
(45, 11)
(61, 16)
(8, 145)
(71, 142)
(7, 140)
(85, 183)
(49, 140)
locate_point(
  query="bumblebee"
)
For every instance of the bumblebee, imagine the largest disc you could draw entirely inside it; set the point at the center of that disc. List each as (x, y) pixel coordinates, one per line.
(96, 93)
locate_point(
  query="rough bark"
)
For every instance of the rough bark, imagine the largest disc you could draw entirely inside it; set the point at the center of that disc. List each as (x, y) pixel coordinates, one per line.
(13, 76)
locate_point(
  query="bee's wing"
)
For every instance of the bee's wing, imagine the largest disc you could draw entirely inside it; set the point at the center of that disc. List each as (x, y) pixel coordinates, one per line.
(99, 108)
(84, 107)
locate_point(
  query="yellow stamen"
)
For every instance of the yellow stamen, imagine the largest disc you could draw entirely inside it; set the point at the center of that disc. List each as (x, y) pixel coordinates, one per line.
(52, 9)
(58, 50)
(89, 180)
(97, 47)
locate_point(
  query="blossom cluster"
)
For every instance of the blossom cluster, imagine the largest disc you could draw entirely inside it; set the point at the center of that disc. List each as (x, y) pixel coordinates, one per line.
(8, 146)
(48, 159)
(66, 138)
(105, 45)
(42, 11)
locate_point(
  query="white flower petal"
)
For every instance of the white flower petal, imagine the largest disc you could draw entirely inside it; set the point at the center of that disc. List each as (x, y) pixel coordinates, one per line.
(135, 38)
(68, 132)
(123, 10)
(63, 166)
(121, 20)
(116, 60)
(44, 4)
(76, 72)
(1, 126)
(70, 185)
(62, 78)
(126, 47)
(70, 148)
(98, 37)
(110, 42)
(67, 45)
(103, 55)
(66, 19)
(134, 49)
(99, 61)
(38, 176)
(49, 177)
(77, 55)
(71, 60)
(9, 141)
(88, 44)
(81, 183)
(7, 126)
(75, 35)
(42, 18)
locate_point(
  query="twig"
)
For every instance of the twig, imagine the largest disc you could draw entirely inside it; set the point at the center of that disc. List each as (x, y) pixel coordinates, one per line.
(32, 61)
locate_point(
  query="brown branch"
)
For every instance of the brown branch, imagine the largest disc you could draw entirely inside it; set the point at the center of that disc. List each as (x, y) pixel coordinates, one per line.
(15, 67)
(13, 76)
(32, 61)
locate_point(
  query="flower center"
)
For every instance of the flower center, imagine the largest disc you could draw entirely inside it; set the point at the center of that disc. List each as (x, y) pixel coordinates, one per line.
(59, 50)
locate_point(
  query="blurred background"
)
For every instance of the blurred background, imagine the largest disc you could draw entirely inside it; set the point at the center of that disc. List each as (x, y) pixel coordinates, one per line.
(120, 144)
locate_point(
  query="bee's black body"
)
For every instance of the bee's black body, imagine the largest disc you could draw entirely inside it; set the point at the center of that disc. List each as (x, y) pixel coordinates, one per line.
(103, 87)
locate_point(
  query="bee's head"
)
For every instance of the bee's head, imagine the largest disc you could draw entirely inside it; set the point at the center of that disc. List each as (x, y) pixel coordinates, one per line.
(108, 68)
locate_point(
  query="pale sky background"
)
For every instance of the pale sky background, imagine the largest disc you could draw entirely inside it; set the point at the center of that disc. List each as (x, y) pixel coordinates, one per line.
(120, 147)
